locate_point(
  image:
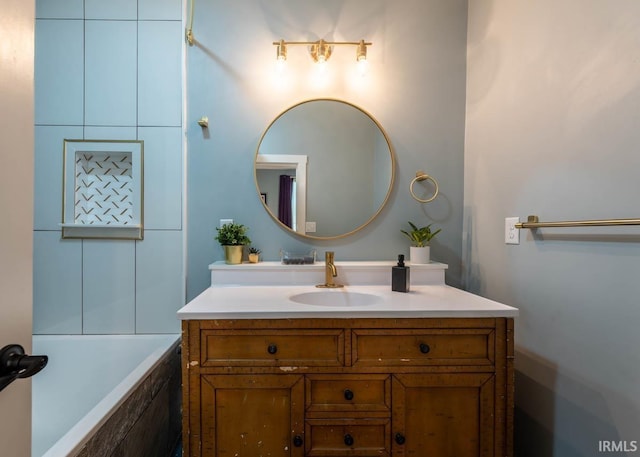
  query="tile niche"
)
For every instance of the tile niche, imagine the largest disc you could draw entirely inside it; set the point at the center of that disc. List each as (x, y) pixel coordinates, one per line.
(103, 189)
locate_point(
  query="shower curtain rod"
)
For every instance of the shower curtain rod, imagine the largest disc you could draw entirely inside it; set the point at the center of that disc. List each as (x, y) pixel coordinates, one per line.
(189, 33)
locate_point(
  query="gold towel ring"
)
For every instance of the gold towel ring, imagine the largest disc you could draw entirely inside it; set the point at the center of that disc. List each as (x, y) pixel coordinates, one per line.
(421, 176)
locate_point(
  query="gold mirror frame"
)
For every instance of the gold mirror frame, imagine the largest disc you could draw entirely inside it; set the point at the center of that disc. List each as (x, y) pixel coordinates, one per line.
(372, 217)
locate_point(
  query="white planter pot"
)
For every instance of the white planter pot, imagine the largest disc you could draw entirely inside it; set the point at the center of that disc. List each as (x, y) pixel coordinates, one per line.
(419, 255)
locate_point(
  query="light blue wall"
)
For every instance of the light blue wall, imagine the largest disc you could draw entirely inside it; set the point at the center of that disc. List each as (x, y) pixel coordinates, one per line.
(109, 70)
(553, 101)
(415, 88)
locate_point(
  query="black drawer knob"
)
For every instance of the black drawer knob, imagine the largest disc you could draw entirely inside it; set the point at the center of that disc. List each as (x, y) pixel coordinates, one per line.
(400, 439)
(297, 441)
(424, 348)
(348, 440)
(348, 394)
(272, 349)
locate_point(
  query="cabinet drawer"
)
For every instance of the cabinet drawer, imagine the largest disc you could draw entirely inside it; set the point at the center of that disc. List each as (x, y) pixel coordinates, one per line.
(348, 393)
(272, 347)
(353, 437)
(381, 347)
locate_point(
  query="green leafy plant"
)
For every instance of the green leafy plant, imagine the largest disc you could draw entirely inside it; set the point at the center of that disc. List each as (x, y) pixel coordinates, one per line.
(420, 237)
(232, 235)
(254, 250)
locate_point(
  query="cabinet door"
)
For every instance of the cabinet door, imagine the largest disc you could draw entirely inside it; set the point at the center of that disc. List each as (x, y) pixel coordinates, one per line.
(249, 415)
(443, 415)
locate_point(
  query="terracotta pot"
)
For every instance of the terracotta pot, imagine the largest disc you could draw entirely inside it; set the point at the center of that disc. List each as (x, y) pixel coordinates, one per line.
(233, 254)
(253, 258)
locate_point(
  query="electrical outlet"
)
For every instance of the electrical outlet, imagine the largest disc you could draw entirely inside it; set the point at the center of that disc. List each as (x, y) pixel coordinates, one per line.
(511, 233)
(310, 227)
(225, 221)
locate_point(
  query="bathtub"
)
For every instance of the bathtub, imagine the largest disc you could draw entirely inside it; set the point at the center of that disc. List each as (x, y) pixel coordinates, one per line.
(98, 390)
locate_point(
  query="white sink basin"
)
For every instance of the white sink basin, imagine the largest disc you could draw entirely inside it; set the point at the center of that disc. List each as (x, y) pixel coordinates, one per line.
(335, 297)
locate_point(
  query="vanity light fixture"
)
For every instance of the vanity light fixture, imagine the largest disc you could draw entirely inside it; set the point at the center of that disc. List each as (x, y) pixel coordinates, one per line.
(361, 57)
(361, 51)
(321, 50)
(281, 51)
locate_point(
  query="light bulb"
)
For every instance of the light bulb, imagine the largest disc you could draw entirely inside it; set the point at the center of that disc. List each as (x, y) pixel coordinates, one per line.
(363, 66)
(321, 65)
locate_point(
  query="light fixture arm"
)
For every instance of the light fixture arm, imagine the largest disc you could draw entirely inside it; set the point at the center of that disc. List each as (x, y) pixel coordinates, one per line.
(321, 50)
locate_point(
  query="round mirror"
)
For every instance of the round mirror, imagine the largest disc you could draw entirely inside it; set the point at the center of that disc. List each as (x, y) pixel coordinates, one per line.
(324, 168)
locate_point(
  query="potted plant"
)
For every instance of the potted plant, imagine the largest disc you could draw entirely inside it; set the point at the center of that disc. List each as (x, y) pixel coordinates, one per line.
(254, 254)
(419, 252)
(232, 237)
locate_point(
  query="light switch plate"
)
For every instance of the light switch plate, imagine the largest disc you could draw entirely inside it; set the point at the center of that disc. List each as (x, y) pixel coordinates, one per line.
(225, 221)
(511, 233)
(310, 227)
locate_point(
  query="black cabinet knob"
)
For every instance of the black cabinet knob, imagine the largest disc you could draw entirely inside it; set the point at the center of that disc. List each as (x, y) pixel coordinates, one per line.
(400, 439)
(348, 440)
(424, 348)
(348, 394)
(272, 349)
(297, 441)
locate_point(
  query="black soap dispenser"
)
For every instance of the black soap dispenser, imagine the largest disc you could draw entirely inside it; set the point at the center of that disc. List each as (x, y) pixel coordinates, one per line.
(400, 276)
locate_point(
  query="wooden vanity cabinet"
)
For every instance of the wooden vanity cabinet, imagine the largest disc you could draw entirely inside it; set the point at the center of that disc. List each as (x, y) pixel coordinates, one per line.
(348, 387)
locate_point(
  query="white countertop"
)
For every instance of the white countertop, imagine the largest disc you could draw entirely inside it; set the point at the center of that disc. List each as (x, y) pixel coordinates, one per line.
(273, 302)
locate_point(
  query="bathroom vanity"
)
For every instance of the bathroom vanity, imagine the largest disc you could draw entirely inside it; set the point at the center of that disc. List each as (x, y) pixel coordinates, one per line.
(291, 370)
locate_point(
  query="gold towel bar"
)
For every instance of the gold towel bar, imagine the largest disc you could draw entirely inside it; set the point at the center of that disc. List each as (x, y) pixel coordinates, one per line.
(534, 223)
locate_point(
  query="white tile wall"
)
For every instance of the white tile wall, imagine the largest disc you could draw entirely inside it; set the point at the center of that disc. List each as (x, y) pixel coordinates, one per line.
(159, 289)
(57, 285)
(162, 177)
(109, 77)
(110, 73)
(112, 9)
(48, 174)
(159, 10)
(94, 132)
(159, 86)
(59, 72)
(108, 286)
(59, 9)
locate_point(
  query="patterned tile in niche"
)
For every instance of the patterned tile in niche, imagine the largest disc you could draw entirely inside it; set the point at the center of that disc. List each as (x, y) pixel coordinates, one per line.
(103, 188)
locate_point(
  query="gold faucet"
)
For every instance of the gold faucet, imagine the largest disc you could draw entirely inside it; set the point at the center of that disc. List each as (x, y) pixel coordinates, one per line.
(330, 272)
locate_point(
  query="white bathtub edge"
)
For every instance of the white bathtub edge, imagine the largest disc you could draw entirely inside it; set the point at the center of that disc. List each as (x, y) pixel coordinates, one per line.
(72, 441)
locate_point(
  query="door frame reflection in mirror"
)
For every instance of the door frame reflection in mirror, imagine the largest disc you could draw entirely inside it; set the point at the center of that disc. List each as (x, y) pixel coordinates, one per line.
(261, 161)
(288, 162)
